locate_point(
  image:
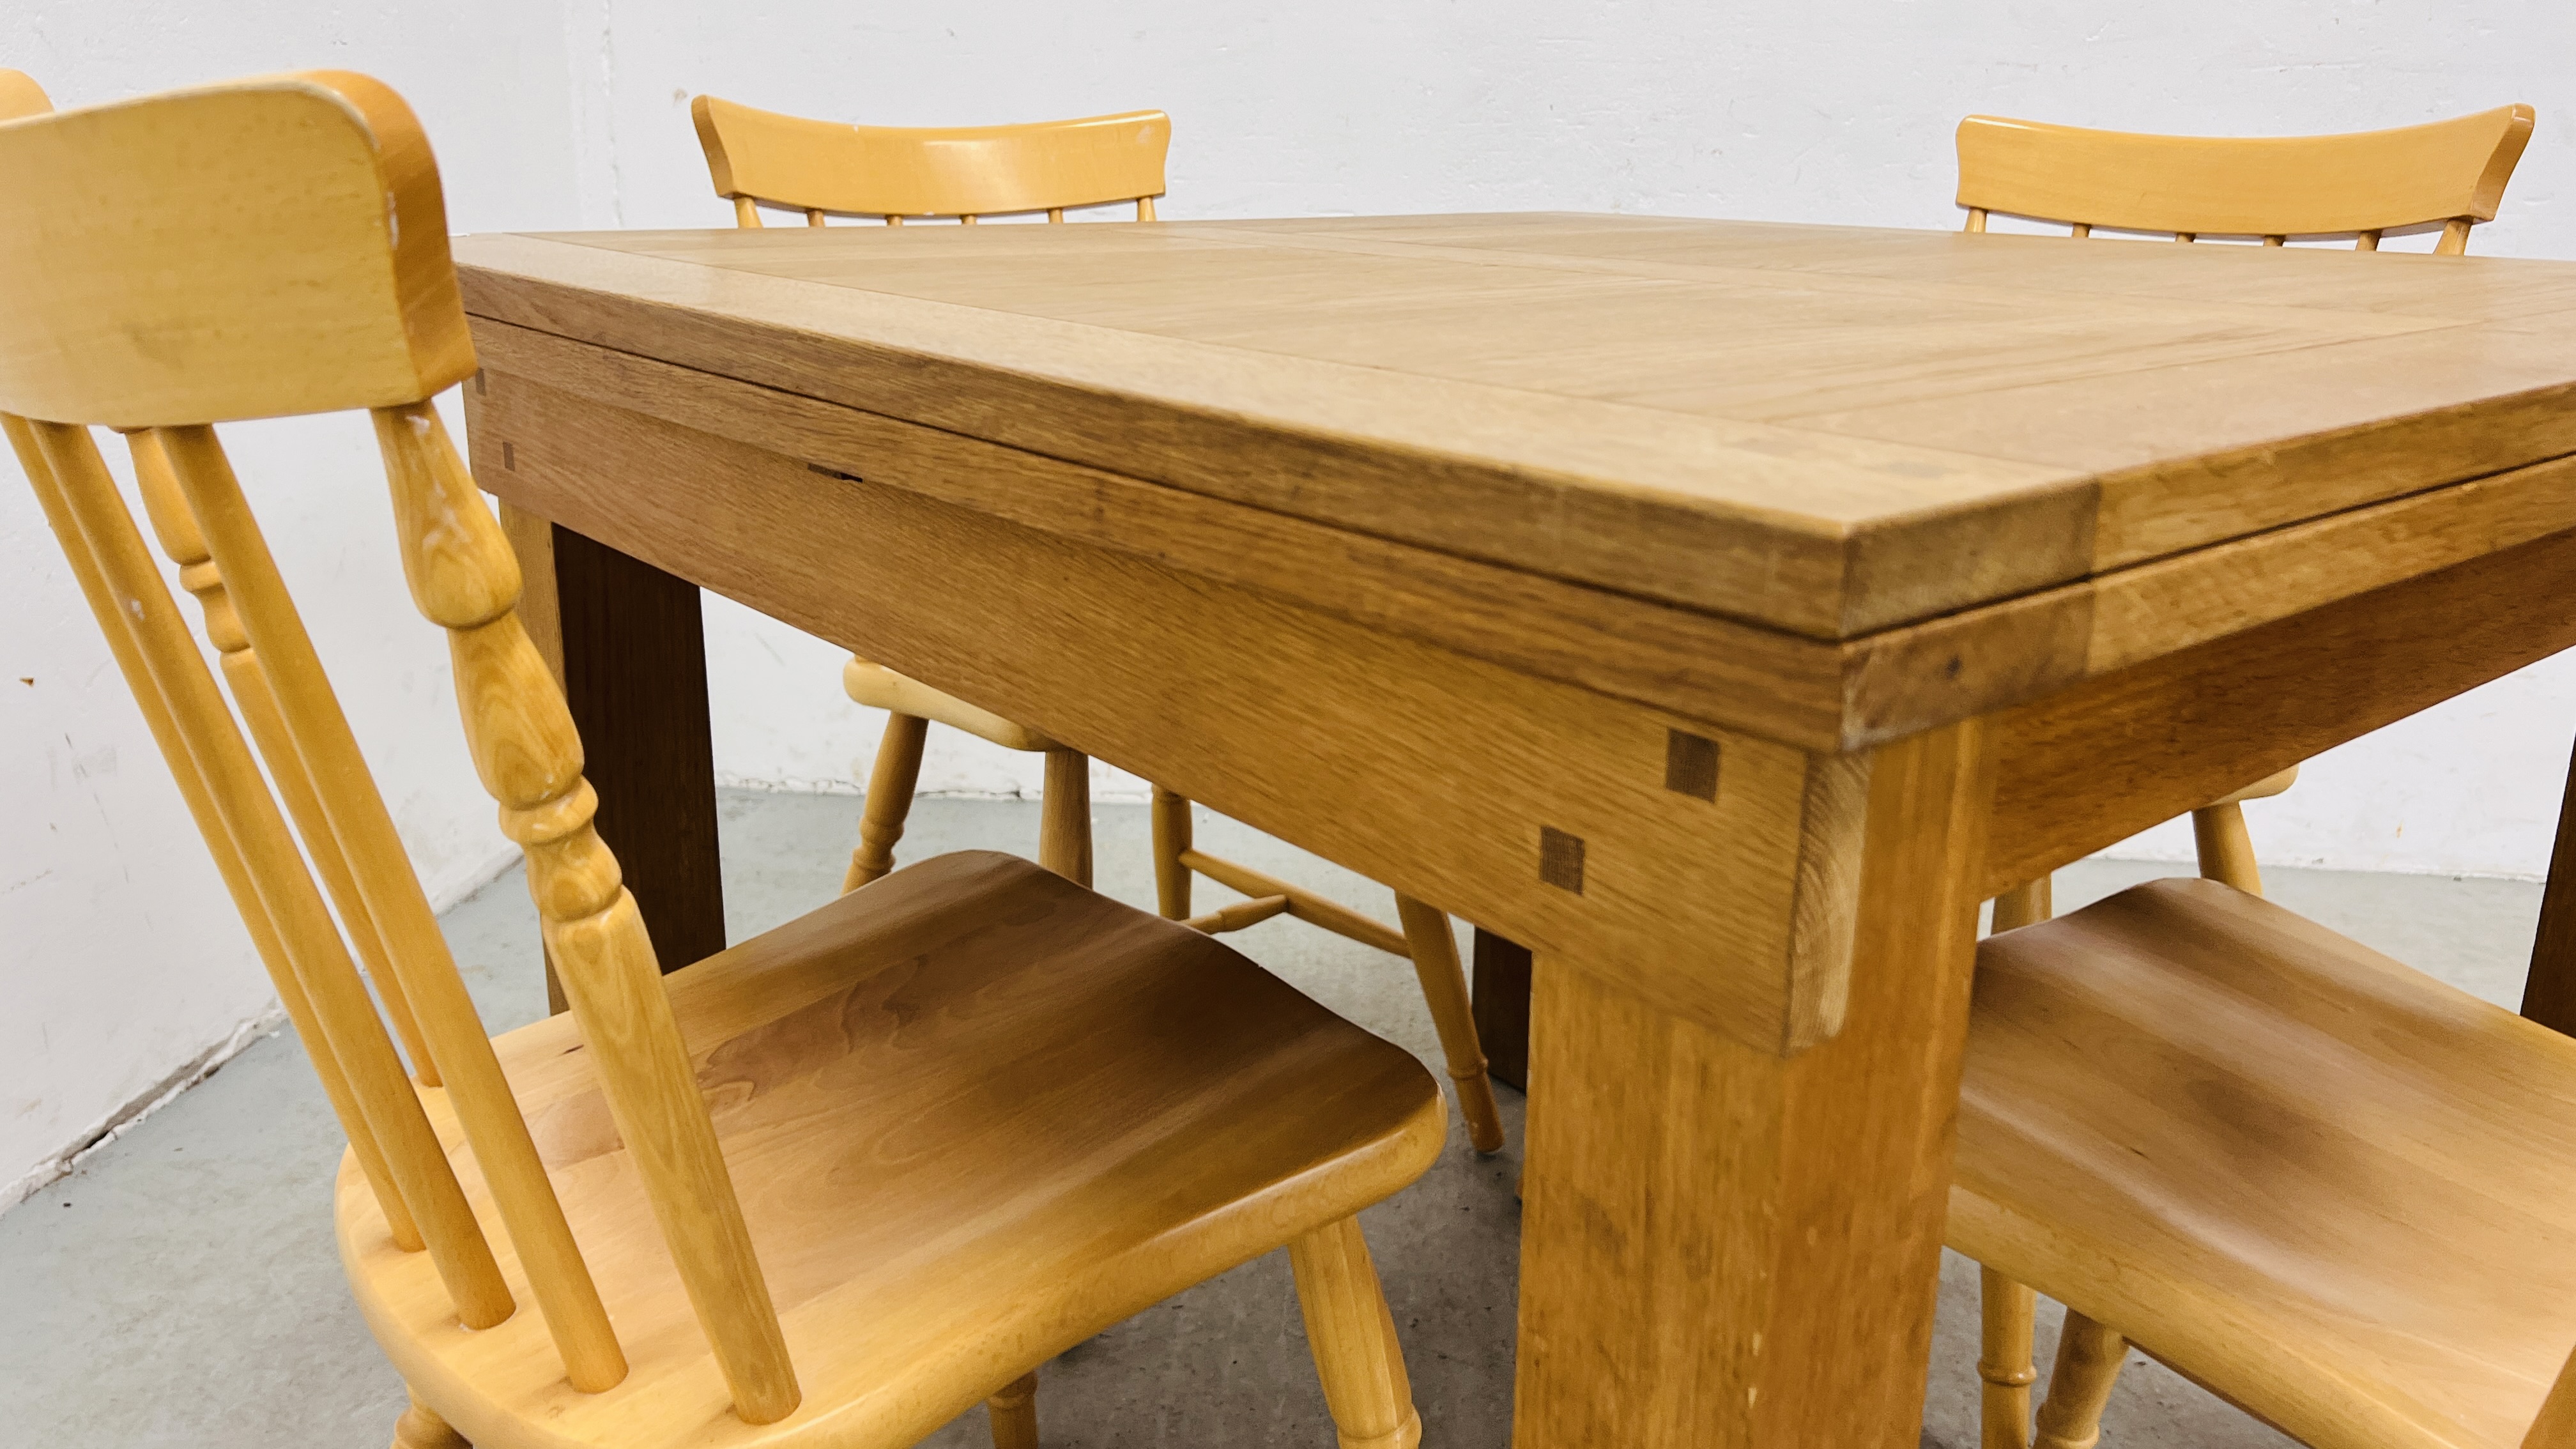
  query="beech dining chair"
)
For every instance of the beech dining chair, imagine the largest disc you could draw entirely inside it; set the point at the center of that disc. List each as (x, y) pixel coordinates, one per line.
(831, 1186)
(2447, 177)
(824, 168)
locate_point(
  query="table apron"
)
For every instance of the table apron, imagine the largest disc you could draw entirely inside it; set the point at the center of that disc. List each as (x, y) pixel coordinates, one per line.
(1712, 873)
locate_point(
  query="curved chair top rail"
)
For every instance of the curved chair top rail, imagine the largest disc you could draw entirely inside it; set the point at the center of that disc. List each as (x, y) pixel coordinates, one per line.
(255, 249)
(21, 96)
(896, 171)
(278, 246)
(2276, 186)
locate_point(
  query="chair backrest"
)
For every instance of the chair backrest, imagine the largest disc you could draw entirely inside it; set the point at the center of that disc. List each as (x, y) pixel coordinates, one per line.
(2365, 184)
(273, 247)
(825, 167)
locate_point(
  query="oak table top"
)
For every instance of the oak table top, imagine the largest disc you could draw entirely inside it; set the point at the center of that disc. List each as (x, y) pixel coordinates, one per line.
(1820, 453)
(1457, 549)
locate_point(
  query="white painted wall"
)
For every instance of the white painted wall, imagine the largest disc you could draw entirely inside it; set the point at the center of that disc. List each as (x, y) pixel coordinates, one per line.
(120, 962)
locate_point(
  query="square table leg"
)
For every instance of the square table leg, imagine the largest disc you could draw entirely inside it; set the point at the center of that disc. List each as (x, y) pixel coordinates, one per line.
(1724, 1248)
(628, 643)
(1502, 1005)
(2549, 993)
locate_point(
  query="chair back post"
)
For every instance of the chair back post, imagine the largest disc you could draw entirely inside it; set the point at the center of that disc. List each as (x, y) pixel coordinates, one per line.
(464, 578)
(352, 1033)
(219, 843)
(291, 231)
(319, 745)
(2448, 174)
(826, 168)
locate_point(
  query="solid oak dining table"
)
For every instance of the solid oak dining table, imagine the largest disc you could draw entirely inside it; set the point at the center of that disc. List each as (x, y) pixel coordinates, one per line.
(1722, 610)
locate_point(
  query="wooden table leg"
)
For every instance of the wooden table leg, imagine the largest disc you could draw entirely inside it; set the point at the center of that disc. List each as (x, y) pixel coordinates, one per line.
(2549, 994)
(628, 644)
(1502, 1004)
(1728, 1249)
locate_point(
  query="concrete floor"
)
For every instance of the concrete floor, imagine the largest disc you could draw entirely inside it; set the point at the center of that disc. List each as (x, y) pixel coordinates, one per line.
(180, 1288)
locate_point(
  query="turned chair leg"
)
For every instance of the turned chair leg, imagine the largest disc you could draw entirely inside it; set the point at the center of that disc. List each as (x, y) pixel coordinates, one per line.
(2004, 1409)
(419, 1428)
(1171, 838)
(2226, 851)
(1064, 816)
(890, 787)
(1444, 986)
(1014, 1412)
(2079, 1387)
(1353, 1338)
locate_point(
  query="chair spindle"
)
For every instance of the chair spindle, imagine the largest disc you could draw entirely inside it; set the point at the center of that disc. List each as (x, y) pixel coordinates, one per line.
(219, 842)
(183, 544)
(320, 742)
(351, 1031)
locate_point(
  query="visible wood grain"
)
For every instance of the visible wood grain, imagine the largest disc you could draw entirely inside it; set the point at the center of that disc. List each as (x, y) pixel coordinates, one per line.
(1662, 1303)
(1502, 1000)
(1204, 417)
(1787, 688)
(230, 861)
(2269, 186)
(2099, 762)
(2549, 991)
(313, 269)
(1124, 666)
(1184, 334)
(1183, 1111)
(528, 752)
(2327, 1186)
(1866, 690)
(1426, 940)
(1173, 1111)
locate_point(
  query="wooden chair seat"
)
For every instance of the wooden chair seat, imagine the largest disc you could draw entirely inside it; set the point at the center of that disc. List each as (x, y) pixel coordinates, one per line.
(975, 1115)
(2334, 1190)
